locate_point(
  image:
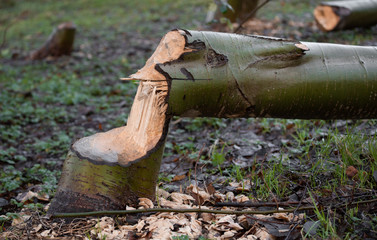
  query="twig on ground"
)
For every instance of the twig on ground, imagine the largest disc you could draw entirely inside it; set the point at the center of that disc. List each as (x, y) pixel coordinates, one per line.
(189, 210)
(254, 204)
(231, 212)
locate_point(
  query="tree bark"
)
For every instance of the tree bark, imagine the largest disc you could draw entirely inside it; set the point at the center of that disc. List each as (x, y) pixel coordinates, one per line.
(337, 15)
(59, 43)
(208, 74)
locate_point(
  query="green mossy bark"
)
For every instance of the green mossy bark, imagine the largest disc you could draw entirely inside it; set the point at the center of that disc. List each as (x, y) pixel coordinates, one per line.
(248, 76)
(85, 186)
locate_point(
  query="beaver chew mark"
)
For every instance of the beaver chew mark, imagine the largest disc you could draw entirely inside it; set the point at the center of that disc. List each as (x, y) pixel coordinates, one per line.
(146, 121)
(215, 59)
(326, 17)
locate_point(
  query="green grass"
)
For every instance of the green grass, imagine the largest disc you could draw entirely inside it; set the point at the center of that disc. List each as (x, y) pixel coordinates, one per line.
(33, 21)
(46, 105)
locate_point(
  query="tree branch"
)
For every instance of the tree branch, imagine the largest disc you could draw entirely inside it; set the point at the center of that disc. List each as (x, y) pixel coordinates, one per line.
(197, 210)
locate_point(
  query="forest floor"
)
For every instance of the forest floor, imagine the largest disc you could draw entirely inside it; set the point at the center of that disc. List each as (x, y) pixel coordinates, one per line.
(328, 166)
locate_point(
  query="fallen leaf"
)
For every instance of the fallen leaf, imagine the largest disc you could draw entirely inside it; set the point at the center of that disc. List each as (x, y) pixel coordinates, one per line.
(199, 194)
(45, 233)
(228, 221)
(145, 203)
(207, 217)
(21, 219)
(351, 171)
(25, 196)
(228, 234)
(242, 198)
(140, 225)
(178, 177)
(210, 189)
(283, 216)
(229, 196)
(128, 227)
(181, 198)
(263, 234)
(37, 228)
(162, 193)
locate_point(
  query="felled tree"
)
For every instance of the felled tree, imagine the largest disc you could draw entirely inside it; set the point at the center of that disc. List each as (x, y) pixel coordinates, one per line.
(337, 15)
(59, 43)
(208, 74)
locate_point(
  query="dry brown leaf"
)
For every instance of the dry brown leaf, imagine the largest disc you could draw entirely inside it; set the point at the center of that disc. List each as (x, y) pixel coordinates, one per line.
(21, 219)
(43, 197)
(178, 177)
(130, 208)
(25, 196)
(140, 225)
(199, 194)
(37, 228)
(351, 171)
(228, 234)
(228, 221)
(128, 227)
(229, 196)
(219, 196)
(207, 217)
(145, 203)
(170, 204)
(283, 216)
(210, 189)
(263, 234)
(45, 233)
(181, 198)
(162, 193)
(242, 198)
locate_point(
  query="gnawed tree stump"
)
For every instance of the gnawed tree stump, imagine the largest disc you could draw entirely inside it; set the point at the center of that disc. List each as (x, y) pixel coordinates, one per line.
(339, 15)
(59, 43)
(209, 74)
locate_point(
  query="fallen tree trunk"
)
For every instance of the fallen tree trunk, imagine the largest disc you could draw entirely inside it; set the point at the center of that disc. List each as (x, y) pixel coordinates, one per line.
(339, 15)
(210, 74)
(59, 43)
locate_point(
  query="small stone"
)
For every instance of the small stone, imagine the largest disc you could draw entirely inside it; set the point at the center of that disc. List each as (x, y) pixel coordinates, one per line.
(3, 202)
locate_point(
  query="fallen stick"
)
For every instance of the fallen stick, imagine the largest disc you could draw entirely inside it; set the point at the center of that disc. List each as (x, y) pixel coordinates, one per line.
(337, 15)
(202, 210)
(208, 74)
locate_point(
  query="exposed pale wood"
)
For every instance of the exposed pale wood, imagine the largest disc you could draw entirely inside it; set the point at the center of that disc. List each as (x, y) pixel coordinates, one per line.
(326, 17)
(346, 14)
(147, 118)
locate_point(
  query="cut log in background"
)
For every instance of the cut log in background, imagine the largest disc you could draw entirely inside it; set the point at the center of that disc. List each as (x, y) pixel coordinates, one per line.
(339, 15)
(208, 74)
(59, 43)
